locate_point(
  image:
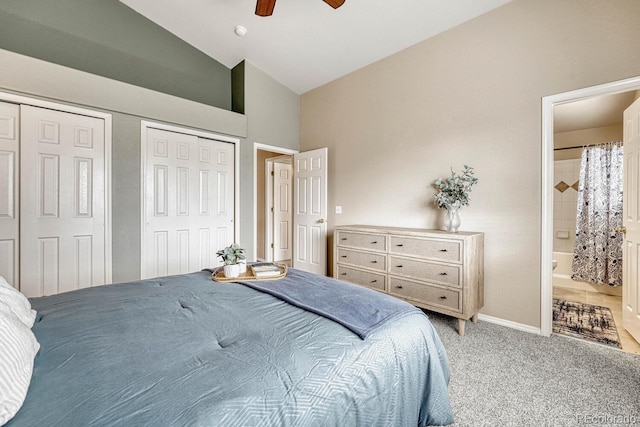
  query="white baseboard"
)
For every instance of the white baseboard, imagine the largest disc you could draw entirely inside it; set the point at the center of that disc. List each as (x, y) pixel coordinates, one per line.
(510, 324)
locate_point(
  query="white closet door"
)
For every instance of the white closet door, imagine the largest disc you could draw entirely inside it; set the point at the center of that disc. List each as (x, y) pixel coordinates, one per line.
(9, 198)
(217, 211)
(188, 202)
(63, 185)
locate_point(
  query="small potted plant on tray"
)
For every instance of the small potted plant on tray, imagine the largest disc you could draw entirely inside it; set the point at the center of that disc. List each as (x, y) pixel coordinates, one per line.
(232, 256)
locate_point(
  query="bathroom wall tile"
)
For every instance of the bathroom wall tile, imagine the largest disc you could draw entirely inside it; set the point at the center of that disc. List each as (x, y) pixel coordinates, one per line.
(564, 203)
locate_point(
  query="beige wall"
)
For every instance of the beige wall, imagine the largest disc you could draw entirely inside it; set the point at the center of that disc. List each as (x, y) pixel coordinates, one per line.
(471, 95)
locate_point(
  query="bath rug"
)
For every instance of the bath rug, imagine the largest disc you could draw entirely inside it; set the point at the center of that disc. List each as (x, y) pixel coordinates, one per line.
(589, 322)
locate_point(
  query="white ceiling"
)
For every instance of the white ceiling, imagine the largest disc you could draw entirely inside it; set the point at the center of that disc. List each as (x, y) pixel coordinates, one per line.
(306, 43)
(600, 111)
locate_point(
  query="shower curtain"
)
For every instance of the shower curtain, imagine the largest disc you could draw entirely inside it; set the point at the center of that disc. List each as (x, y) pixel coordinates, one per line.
(597, 257)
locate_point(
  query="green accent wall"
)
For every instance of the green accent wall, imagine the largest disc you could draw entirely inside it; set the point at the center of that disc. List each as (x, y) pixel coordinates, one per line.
(273, 118)
(237, 88)
(109, 39)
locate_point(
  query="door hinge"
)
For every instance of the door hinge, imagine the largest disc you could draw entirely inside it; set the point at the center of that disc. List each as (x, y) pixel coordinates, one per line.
(273, 174)
(272, 246)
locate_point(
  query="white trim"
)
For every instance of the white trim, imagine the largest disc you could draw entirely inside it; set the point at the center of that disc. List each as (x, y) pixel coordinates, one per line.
(265, 147)
(509, 324)
(546, 225)
(189, 131)
(144, 126)
(268, 213)
(108, 135)
(20, 99)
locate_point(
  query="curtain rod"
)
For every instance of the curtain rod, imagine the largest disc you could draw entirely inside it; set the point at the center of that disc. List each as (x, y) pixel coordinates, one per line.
(589, 145)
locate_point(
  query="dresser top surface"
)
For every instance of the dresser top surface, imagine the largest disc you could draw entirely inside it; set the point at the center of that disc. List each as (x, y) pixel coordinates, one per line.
(406, 230)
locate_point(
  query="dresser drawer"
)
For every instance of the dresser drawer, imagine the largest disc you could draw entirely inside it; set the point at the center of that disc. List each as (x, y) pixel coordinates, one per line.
(443, 250)
(446, 274)
(449, 299)
(371, 260)
(360, 277)
(369, 241)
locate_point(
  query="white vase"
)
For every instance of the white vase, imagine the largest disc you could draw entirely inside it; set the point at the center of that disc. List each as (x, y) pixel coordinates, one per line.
(231, 270)
(452, 220)
(243, 266)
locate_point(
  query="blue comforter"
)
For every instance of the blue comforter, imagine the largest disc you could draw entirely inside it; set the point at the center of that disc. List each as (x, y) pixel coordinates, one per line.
(184, 350)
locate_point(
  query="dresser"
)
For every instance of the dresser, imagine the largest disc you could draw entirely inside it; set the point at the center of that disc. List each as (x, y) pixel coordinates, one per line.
(431, 269)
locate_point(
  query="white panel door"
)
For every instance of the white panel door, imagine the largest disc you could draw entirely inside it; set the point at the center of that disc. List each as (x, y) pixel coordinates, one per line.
(282, 211)
(188, 202)
(216, 166)
(631, 252)
(9, 197)
(63, 186)
(310, 211)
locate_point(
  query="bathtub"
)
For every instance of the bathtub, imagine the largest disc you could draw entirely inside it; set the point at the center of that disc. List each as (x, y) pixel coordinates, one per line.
(562, 277)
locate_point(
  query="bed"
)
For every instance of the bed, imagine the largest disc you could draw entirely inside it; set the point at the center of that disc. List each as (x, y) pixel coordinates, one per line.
(185, 350)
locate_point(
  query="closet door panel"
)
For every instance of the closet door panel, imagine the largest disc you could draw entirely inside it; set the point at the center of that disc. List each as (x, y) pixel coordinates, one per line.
(188, 202)
(9, 198)
(63, 201)
(169, 232)
(216, 221)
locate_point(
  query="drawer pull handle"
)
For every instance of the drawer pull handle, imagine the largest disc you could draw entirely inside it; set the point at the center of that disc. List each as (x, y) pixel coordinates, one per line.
(399, 266)
(443, 297)
(343, 274)
(399, 287)
(399, 244)
(374, 262)
(343, 238)
(374, 281)
(443, 250)
(343, 256)
(374, 242)
(443, 274)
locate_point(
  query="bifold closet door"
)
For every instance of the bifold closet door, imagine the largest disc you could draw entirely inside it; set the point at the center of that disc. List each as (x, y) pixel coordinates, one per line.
(62, 212)
(189, 206)
(9, 197)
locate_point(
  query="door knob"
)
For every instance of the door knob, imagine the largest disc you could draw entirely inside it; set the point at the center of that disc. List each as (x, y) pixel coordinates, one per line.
(622, 230)
(321, 221)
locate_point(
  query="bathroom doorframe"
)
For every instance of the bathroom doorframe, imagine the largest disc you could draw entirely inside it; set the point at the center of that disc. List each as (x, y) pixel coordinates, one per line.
(546, 225)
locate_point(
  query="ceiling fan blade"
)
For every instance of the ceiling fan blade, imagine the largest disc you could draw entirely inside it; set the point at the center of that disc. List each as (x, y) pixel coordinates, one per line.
(334, 3)
(265, 7)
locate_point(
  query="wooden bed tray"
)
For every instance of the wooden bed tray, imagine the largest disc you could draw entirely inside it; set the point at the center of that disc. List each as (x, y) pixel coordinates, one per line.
(218, 275)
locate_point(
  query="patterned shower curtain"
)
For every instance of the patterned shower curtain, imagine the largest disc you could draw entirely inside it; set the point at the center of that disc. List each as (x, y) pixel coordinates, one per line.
(597, 257)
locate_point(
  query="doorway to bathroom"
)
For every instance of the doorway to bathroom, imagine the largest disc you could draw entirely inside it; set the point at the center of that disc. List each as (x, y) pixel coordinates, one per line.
(570, 122)
(274, 185)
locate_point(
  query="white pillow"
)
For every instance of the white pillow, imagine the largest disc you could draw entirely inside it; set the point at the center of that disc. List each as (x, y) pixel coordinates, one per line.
(17, 353)
(17, 302)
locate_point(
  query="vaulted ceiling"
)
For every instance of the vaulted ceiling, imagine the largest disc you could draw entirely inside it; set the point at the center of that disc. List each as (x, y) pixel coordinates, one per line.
(307, 43)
